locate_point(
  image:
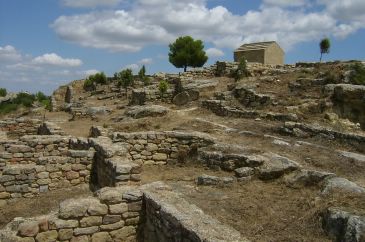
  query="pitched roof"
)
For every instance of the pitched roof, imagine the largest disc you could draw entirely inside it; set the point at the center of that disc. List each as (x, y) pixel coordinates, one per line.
(255, 46)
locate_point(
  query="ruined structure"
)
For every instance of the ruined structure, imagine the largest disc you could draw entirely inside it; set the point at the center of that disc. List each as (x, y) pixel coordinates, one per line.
(262, 52)
(214, 159)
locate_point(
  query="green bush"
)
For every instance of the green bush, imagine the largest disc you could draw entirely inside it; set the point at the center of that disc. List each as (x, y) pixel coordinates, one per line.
(24, 99)
(89, 85)
(241, 70)
(125, 78)
(40, 96)
(358, 74)
(8, 107)
(98, 78)
(3, 92)
(163, 86)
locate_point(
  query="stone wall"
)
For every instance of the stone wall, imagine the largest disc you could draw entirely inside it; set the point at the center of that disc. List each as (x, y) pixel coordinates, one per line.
(113, 215)
(112, 167)
(37, 164)
(162, 147)
(169, 217)
(221, 108)
(16, 128)
(151, 213)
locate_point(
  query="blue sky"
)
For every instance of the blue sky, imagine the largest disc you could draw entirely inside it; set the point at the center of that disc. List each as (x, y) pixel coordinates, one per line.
(47, 43)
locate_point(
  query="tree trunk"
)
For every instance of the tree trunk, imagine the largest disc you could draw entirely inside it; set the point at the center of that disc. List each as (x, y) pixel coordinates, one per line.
(320, 59)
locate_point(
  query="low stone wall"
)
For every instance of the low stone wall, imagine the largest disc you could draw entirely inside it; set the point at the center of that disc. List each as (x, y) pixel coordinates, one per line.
(307, 130)
(221, 109)
(150, 213)
(34, 149)
(142, 95)
(162, 147)
(114, 215)
(169, 217)
(16, 128)
(42, 163)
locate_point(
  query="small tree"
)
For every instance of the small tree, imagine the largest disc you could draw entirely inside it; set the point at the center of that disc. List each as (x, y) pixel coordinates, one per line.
(186, 51)
(125, 79)
(241, 70)
(142, 76)
(3, 92)
(162, 87)
(142, 73)
(324, 46)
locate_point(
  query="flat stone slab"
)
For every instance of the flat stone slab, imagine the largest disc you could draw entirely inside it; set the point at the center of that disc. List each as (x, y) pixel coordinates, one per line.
(147, 111)
(206, 180)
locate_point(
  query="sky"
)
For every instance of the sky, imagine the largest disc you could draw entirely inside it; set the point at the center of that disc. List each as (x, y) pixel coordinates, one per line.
(48, 43)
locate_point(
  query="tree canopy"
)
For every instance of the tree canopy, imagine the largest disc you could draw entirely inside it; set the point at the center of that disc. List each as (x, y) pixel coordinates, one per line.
(324, 46)
(186, 51)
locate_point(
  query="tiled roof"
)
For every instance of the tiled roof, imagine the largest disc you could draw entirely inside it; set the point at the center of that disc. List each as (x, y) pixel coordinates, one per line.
(255, 46)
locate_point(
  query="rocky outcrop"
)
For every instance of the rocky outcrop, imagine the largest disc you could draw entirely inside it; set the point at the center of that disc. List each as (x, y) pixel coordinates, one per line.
(344, 225)
(349, 102)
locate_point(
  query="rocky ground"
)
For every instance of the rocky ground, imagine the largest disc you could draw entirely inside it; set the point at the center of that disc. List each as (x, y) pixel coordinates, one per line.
(257, 116)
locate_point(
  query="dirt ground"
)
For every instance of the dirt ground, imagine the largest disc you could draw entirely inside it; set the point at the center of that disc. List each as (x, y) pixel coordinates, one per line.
(41, 205)
(261, 211)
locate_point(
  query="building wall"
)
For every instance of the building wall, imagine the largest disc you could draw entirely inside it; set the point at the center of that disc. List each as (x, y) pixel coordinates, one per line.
(274, 55)
(251, 56)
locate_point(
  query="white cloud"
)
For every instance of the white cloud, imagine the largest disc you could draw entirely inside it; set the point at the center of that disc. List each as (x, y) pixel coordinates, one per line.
(134, 67)
(214, 52)
(45, 72)
(286, 3)
(146, 61)
(9, 54)
(346, 10)
(150, 22)
(89, 72)
(56, 60)
(90, 3)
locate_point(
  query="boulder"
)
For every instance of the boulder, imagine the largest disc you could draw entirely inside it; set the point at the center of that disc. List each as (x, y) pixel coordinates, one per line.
(276, 166)
(339, 184)
(344, 225)
(181, 98)
(307, 178)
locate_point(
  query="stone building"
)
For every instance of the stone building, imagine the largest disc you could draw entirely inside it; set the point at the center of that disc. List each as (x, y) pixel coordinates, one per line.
(261, 52)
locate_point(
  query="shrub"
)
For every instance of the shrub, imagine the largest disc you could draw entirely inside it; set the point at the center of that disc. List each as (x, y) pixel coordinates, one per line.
(358, 74)
(3, 92)
(98, 78)
(24, 99)
(125, 78)
(8, 107)
(241, 70)
(162, 87)
(89, 85)
(40, 96)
